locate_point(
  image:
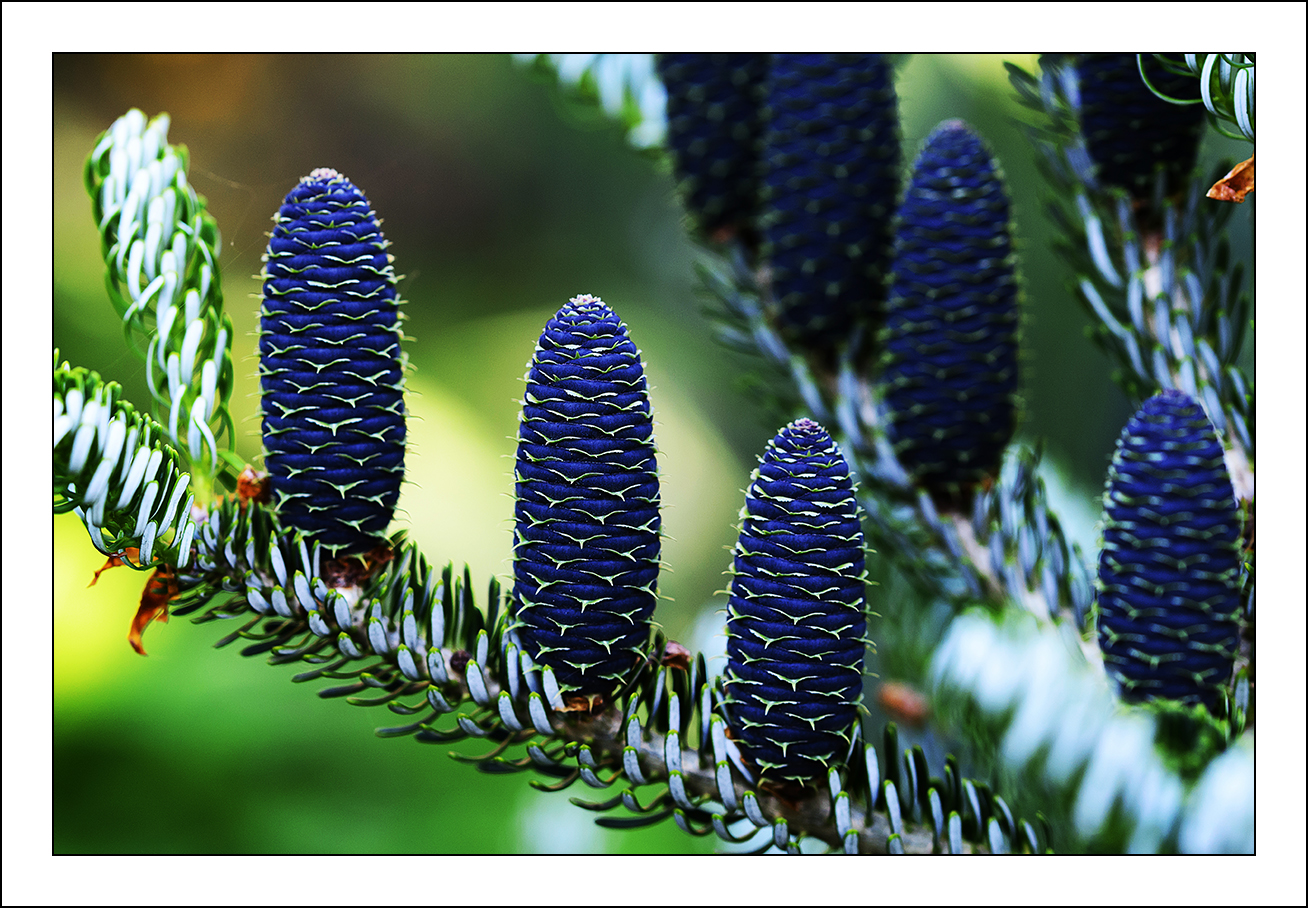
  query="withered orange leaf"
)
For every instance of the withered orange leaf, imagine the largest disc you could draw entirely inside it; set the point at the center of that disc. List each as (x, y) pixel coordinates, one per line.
(253, 485)
(1235, 185)
(159, 589)
(126, 556)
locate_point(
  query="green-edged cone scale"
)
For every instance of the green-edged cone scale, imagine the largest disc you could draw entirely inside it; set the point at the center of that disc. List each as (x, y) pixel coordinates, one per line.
(331, 367)
(1169, 572)
(949, 366)
(586, 537)
(795, 622)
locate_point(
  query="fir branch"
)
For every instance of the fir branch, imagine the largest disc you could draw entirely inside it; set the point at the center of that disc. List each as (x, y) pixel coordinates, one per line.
(666, 725)
(114, 468)
(1026, 692)
(161, 248)
(1005, 546)
(389, 630)
(1152, 272)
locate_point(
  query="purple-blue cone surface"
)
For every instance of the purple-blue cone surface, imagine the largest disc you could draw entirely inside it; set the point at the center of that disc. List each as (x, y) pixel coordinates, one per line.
(1170, 569)
(950, 345)
(1129, 131)
(795, 621)
(829, 186)
(586, 538)
(715, 128)
(331, 367)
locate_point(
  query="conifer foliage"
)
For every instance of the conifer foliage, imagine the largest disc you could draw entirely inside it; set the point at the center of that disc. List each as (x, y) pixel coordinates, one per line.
(331, 366)
(586, 543)
(1169, 573)
(795, 623)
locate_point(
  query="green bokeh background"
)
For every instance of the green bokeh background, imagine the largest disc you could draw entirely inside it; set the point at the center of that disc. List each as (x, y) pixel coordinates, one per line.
(500, 203)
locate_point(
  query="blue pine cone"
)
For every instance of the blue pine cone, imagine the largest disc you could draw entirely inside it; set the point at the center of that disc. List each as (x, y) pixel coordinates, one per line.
(715, 128)
(950, 343)
(1129, 131)
(830, 181)
(586, 537)
(1169, 572)
(331, 367)
(795, 621)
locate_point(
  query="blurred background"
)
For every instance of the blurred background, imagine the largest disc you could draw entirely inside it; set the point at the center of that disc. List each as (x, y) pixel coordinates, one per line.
(500, 202)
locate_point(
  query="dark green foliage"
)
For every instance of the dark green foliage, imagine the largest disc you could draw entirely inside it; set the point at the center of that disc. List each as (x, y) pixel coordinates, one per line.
(830, 180)
(586, 541)
(1129, 131)
(331, 367)
(715, 127)
(1169, 573)
(795, 624)
(949, 367)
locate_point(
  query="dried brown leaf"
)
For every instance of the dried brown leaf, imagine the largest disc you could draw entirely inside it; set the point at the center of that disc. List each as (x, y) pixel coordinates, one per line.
(252, 485)
(126, 556)
(1235, 185)
(676, 656)
(159, 589)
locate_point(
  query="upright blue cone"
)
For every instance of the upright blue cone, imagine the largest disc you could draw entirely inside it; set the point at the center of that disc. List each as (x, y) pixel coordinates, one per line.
(331, 367)
(830, 178)
(715, 129)
(1170, 569)
(586, 539)
(795, 622)
(950, 351)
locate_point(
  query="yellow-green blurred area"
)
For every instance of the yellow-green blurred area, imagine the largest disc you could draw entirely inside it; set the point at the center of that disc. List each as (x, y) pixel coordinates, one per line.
(499, 204)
